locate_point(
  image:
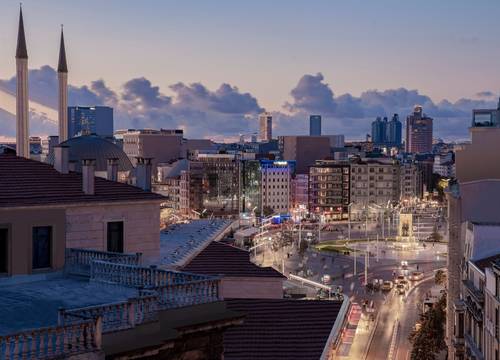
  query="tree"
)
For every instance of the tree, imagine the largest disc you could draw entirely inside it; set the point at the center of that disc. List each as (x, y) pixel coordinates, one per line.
(428, 341)
(267, 211)
(435, 235)
(440, 277)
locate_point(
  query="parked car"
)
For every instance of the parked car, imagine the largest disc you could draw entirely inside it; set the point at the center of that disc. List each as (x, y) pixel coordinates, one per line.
(387, 286)
(416, 275)
(400, 289)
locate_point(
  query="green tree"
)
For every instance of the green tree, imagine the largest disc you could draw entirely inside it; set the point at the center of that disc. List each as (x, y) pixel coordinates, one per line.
(435, 235)
(440, 277)
(267, 211)
(428, 341)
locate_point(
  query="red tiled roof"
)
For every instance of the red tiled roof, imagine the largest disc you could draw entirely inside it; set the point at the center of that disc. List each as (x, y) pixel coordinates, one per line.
(26, 182)
(280, 329)
(223, 259)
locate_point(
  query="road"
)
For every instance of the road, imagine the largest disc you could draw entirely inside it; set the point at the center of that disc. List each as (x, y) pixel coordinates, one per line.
(400, 311)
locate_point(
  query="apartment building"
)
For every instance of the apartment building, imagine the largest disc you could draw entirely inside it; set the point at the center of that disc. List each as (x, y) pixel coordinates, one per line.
(329, 189)
(375, 181)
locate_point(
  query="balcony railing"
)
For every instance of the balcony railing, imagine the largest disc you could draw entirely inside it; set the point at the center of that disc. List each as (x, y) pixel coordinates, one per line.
(116, 316)
(56, 342)
(78, 260)
(138, 276)
(158, 290)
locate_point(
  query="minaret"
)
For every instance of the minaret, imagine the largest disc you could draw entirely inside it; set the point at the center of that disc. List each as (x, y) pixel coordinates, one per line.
(22, 130)
(62, 75)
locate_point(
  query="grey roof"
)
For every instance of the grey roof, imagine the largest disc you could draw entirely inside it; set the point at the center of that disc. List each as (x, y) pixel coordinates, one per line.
(94, 147)
(21, 51)
(62, 66)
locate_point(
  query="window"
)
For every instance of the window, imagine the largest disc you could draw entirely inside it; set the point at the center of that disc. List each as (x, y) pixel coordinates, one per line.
(4, 250)
(42, 244)
(115, 236)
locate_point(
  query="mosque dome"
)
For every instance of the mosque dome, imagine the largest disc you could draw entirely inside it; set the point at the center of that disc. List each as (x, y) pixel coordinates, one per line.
(94, 147)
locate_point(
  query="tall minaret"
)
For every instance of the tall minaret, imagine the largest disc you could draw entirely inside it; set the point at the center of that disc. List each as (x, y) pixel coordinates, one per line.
(62, 75)
(22, 113)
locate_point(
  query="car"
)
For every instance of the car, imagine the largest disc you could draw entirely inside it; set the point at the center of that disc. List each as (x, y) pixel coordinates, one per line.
(400, 278)
(404, 265)
(405, 283)
(400, 289)
(387, 285)
(416, 275)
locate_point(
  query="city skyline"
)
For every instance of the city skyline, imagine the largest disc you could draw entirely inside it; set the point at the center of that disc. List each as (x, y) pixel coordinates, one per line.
(188, 96)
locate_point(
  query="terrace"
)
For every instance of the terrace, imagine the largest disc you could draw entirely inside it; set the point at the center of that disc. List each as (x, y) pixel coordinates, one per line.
(99, 293)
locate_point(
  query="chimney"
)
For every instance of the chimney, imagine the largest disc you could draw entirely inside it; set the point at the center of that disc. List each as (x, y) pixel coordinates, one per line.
(88, 170)
(112, 173)
(143, 173)
(61, 158)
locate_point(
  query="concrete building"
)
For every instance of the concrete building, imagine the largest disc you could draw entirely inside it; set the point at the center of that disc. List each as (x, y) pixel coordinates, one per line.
(329, 189)
(374, 181)
(159, 145)
(444, 164)
(86, 120)
(266, 184)
(305, 150)
(474, 198)
(418, 132)
(492, 311)
(211, 185)
(315, 125)
(411, 181)
(300, 191)
(266, 126)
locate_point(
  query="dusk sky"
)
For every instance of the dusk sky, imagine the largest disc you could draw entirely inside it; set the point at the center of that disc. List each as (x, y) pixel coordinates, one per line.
(444, 49)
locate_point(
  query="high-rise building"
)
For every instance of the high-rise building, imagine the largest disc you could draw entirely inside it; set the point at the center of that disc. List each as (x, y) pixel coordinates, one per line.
(418, 132)
(315, 125)
(379, 131)
(387, 133)
(266, 126)
(394, 131)
(85, 120)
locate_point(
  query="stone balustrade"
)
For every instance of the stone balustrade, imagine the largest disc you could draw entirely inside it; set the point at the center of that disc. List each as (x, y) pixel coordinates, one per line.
(115, 316)
(55, 342)
(189, 293)
(78, 261)
(138, 276)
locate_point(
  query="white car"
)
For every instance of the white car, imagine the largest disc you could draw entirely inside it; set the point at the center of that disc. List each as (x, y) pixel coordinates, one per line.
(400, 278)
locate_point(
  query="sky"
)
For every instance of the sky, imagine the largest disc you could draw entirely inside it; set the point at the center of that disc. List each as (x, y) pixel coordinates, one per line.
(446, 50)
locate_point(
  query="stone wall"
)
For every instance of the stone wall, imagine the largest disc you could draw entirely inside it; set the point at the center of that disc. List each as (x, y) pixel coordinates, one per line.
(86, 227)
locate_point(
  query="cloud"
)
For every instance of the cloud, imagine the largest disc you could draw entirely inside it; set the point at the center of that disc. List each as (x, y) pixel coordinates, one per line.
(226, 111)
(485, 94)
